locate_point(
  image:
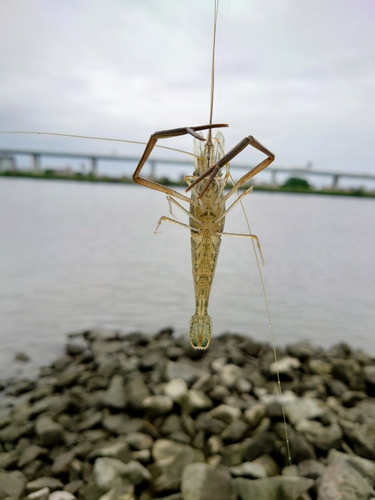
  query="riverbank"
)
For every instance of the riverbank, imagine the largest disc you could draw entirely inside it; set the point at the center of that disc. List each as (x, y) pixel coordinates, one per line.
(77, 176)
(142, 417)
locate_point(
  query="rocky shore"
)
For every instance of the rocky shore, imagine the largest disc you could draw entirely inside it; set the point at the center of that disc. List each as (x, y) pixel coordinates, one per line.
(133, 417)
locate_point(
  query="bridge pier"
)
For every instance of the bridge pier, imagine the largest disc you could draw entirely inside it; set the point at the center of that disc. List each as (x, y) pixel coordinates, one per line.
(152, 169)
(274, 182)
(37, 162)
(335, 181)
(94, 166)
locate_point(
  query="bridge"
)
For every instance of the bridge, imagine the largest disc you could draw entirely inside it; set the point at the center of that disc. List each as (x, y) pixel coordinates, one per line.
(8, 157)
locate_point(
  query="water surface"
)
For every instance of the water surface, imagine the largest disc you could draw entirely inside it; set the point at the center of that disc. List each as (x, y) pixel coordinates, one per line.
(79, 255)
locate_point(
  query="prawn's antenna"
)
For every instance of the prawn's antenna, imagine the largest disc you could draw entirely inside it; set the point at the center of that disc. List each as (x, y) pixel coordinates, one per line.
(212, 85)
(97, 139)
(279, 389)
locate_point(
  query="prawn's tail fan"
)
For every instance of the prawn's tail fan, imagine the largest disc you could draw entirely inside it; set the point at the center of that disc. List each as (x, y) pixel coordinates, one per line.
(200, 331)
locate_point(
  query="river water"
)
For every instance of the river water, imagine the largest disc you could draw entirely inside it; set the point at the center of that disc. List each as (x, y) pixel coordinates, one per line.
(76, 255)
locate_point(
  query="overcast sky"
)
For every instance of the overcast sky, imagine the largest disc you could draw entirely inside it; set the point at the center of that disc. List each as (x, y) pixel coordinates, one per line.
(298, 75)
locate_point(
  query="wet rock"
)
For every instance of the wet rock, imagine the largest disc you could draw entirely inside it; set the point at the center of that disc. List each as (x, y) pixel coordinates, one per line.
(272, 488)
(342, 480)
(156, 406)
(115, 395)
(50, 433)
(12, 484)
(203, 482)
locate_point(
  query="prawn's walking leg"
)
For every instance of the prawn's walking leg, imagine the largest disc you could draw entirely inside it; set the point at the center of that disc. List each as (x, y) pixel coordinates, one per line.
(165, 134)
(212, 171)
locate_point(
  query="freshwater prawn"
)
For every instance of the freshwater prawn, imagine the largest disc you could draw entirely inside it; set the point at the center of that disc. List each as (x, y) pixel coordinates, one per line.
(207, 210)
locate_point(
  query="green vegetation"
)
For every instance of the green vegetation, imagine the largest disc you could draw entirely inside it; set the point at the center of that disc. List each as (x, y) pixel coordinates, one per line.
(296, 183)
(292, 185)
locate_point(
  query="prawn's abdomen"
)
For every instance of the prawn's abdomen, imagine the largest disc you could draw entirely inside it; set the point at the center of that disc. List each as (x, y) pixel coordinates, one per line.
(200, 331)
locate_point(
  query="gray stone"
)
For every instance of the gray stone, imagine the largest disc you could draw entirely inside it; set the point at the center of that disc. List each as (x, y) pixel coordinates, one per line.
(226, 413)
(109, 473)
(203, 482)
(269, 465)
(311, 468)
(255, 414)
(12, 484)
(272, 488)
(303, 408)
(233, 454)
(322, 437)
(61, 495)
(175, 389)
(121, 424)
(14, 431)
(115, 396)
(319, 367)
(195, 402)
(342, 480)
(8, 459)
(156, 406)
(122, 493)
(90, 491)
(286, 367)
(362, 438)
(178, 369)
(139, 441)
(51, 483)
(248, 469)
(204, 422)
(349, 371)
(41, 494)
(234, 432)
(31, 453)
(50, 433)
(118, 449)
(136, 473)
(260, 444)
(171, 458)
(54, 404)
(229, 374)
(62, 462)
(365, 467)
(243, 385)
(136, 392)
